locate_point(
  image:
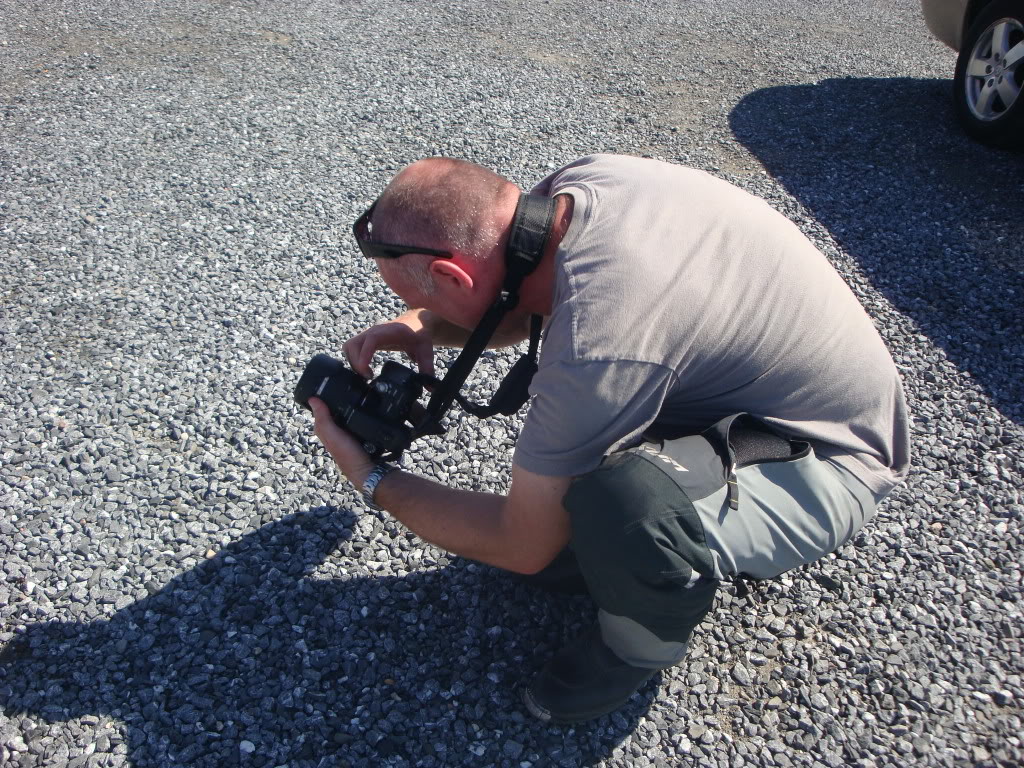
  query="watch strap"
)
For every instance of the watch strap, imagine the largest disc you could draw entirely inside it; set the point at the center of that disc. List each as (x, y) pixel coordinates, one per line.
(378, 473)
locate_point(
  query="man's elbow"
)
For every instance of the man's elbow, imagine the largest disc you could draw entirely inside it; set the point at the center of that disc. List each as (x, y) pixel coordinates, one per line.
(535, 526)
(530, 563)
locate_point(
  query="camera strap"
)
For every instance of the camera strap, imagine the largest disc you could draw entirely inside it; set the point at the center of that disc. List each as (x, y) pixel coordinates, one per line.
(514, 389)
(531, 227)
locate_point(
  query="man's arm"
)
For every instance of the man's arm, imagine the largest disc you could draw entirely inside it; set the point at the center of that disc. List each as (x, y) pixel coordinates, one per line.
(521, 532)
(417, 331)
(514, 329)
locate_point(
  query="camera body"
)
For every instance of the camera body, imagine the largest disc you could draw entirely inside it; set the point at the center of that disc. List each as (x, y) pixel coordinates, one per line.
(375, 412)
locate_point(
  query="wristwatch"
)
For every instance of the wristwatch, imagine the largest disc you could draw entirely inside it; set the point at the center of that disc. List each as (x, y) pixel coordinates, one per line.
(373, 480)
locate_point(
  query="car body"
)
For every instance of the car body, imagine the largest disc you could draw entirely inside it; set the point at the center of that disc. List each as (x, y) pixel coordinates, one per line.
(947, 19)
(988, 82)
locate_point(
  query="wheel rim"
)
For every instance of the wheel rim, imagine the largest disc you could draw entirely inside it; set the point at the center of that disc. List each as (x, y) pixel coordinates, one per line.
(995, 70)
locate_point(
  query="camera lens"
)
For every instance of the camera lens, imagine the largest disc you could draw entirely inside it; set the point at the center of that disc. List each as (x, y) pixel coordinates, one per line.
(329, 380)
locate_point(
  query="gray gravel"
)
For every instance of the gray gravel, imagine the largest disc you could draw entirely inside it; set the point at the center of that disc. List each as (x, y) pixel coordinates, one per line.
(185, 582)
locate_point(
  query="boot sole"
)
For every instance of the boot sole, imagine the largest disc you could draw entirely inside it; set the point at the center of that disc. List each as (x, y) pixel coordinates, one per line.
(547, 716)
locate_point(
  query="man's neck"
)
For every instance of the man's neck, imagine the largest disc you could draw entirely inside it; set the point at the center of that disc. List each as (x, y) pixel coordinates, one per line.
(537, 293)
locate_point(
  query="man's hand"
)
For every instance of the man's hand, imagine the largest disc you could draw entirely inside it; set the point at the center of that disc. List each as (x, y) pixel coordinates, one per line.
(407, 333)
(417, 332)
(348, 453)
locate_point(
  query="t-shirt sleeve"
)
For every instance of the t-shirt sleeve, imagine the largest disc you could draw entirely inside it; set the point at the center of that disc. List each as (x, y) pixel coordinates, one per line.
(579, 411)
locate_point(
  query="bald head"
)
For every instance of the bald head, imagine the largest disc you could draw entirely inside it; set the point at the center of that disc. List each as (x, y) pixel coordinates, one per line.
(447, 204)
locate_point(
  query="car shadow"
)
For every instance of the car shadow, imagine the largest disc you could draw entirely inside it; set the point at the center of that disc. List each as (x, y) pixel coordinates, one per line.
(935, 220)
(252, 659)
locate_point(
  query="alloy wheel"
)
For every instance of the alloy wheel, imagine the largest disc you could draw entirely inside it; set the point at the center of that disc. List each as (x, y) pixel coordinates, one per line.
(995, 71)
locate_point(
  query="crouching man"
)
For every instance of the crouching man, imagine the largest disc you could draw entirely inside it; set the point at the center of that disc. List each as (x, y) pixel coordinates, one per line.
(711, 399)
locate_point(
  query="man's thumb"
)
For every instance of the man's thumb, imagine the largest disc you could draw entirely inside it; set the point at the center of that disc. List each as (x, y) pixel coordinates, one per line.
(318, 407)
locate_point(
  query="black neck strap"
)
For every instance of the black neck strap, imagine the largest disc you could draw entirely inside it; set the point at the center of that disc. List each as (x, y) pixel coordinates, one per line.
(531, 227)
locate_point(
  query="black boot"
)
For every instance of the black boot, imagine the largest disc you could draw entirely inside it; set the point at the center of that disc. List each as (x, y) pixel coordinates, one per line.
(583, 681)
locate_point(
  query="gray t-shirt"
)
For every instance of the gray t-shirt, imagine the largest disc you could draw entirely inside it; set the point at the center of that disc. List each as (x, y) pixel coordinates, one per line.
(682, 298)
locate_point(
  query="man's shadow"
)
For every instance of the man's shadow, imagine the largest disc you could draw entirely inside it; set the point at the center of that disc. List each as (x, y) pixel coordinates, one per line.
(935, 220)
(250, 660)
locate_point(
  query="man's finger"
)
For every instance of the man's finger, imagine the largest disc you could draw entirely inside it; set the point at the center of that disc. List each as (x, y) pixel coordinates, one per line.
(323, 423)
(317, 406)
(425, 359)
(355, 351)
(328, 433)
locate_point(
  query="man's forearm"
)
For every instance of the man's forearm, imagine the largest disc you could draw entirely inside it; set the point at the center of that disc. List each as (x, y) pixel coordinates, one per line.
(466, 523)
(520, 532)
(512, 330)
(443, 333)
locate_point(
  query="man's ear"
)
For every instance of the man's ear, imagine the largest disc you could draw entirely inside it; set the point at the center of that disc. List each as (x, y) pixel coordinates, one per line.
(446, 272)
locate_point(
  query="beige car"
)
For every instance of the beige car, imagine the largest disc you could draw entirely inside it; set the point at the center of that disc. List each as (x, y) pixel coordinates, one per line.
(989, 75)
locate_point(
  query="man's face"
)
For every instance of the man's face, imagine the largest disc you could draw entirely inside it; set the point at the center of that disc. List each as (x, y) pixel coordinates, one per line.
(397, 280)
(459, 301)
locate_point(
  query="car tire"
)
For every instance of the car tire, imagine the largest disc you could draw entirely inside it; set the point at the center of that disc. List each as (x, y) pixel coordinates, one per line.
(988, 92)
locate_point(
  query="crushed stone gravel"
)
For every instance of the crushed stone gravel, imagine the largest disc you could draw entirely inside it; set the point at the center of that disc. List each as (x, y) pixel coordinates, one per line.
(183, 579)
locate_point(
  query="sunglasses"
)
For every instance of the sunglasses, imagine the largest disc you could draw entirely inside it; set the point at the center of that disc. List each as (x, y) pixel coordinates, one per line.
(362, 232)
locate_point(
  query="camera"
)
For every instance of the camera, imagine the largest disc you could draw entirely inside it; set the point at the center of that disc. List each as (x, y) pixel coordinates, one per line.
(375, 412)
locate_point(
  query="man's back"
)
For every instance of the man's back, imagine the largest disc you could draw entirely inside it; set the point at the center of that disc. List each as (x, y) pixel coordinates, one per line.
(682, 298)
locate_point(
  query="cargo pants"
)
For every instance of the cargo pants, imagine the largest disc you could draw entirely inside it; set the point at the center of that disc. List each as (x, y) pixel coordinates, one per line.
(656, 528)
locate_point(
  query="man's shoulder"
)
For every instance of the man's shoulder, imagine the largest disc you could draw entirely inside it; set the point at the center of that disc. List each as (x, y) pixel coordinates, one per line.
(601, 166)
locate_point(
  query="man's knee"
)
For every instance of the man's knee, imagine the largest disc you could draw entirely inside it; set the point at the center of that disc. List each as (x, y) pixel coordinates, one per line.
(640, 544)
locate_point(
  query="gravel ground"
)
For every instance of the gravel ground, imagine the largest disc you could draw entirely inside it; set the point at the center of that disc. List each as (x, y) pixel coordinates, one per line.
(185, 582)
